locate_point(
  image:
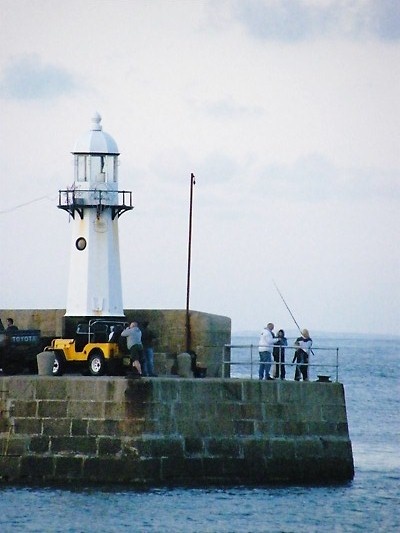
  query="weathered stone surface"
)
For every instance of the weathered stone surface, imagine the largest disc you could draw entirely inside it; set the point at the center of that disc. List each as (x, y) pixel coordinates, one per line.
(68, 468)
(23, 408)
(56, 426)
(176, 431)
(52, 408)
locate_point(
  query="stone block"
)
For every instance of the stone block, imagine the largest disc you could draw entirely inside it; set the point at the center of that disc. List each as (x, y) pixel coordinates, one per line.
(173, 470)
(213, 470)
(147, 471)
(76, 445)
(56, 426)
(267, 427)
(85, 409)
(22, 408)
(51, 388)
(10, 469)
(36, 468)
(164, 425)
(288, 392)
(68, 468)
(28, 426)
(282, 449)
(244, 427)
(52, 408)
(129, 470)
(336, 447)
(130, 447)
(39, 445)
(294, 428)
(118, 410)
(205, 389)
(308, 447)
(250, 411)
(109, 446)
(256, 450)
(233, 469)
(190, 427)
(99, 427)
(282, 469)
(251, 390)
(228, 409)
(80, 388)
(14, 445)
(131, 427)
(269, 392)
(165, 390)
(79, 427)
(21, 387)
(5, 424)
(193, 446)
(194, 410)
(222, 447)
(232, 391)
(320, 428)
(161, 447)
(194, 470)
(334, 412)
(221, 427)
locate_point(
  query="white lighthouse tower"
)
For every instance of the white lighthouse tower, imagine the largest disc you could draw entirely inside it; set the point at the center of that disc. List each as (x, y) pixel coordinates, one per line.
(95, 204)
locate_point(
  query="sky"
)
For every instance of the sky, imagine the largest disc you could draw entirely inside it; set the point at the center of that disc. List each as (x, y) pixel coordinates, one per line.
(288, 114)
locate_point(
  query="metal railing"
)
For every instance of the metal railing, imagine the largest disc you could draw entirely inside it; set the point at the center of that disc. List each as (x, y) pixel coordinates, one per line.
(247, 356)
(75, 200)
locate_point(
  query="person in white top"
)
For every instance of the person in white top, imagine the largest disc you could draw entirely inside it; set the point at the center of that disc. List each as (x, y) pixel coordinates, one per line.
(265, 347)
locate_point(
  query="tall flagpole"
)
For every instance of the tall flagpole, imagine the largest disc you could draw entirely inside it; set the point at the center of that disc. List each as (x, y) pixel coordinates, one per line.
(187, 326)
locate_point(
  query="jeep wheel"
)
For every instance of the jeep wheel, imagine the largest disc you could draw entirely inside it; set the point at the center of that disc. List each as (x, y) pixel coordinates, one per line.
(59, 364)
(97, 364)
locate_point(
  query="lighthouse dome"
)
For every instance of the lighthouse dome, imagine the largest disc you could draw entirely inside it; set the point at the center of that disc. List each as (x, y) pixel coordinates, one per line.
(96, 141)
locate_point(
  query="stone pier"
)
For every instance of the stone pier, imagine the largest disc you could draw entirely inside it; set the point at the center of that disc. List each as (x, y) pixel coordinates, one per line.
(172, 431)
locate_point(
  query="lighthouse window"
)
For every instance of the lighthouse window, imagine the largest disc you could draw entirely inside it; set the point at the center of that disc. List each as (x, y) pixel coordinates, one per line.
(80, 243)
(82, 168)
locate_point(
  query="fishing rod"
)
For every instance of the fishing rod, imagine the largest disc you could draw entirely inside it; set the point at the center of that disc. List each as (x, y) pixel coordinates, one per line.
(287, 307)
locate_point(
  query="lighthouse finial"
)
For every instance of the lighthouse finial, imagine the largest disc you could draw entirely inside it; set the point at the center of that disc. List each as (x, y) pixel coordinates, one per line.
(96, 119)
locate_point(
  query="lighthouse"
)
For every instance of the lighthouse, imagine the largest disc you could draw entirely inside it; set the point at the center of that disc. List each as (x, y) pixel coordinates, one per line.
(95, 205)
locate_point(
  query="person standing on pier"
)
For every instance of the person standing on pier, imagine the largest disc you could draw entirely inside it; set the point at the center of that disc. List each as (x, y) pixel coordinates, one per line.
(302, 355)
(279, 355)
(148, 338)
(265, 347)
(135, 347)
(11, 327)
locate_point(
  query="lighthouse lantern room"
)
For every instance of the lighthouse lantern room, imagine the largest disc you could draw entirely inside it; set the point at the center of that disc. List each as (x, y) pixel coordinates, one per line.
(95, 205)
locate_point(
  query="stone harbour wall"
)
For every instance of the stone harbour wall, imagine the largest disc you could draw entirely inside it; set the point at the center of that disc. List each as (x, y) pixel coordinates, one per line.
(209, 332)
(172, 431)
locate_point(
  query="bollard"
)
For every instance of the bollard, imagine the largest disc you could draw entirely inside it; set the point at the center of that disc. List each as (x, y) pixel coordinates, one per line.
(184, 365)
(45, 363)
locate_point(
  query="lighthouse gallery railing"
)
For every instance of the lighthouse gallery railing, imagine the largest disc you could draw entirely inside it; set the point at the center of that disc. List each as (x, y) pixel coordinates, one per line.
(76, 200)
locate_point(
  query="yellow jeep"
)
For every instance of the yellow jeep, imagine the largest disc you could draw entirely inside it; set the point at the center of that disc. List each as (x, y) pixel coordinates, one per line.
(97, 347)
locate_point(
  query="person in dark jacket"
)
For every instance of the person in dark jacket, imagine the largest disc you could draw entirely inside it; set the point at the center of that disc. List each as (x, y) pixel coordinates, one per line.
(11, 327)
(148, 338)
(279, 355)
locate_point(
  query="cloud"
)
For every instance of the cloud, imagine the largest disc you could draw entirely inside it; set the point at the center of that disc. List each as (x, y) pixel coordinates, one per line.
(27, 78)
(228, 109)
(298, 20)
(386, 19)
(315, 178)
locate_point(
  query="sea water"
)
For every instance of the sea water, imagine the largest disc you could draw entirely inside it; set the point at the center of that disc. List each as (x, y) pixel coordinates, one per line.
(369, 369)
